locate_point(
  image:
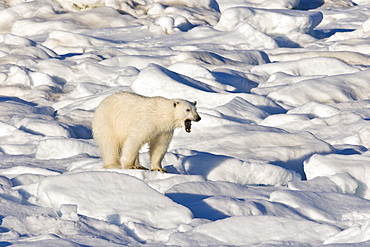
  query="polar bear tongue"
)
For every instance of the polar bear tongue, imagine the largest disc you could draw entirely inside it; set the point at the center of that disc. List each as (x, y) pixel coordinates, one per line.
(188, 125)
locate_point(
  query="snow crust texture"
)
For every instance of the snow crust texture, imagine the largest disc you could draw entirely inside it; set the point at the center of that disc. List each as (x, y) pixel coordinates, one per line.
(281, 155)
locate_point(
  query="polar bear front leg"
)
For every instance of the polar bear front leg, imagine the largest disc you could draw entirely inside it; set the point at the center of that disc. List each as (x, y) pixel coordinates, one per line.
(157, 148)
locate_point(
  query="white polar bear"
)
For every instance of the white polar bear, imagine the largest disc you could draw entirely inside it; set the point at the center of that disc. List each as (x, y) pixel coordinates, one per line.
(124, 122)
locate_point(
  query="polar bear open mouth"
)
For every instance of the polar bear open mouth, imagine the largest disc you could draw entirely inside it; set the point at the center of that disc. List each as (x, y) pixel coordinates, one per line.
(188, 125)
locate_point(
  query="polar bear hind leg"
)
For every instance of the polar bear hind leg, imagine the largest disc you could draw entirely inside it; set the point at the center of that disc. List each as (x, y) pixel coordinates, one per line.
(110, 151)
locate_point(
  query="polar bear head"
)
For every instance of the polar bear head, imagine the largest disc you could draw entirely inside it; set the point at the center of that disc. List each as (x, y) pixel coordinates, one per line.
(185, 112)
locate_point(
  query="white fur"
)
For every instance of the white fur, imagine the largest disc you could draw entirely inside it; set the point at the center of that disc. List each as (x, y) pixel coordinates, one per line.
(125, 121)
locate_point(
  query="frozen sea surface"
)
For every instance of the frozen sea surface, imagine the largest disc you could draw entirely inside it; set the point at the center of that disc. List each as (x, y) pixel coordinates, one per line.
(280, 157)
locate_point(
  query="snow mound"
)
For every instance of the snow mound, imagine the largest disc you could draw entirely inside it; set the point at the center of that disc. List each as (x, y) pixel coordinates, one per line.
(11, 106)
(244, 230)
(357, 166)
(278, 4)
(196, 190)
(195, 4)
(222, 168)
(44, 127)
(316, 109)
(358, 233)
(117, 198)
(15, 210)
(208, 59)
(13, 140)
(161, 182)
(24, 170)
(345, 56)
(241, 109)
(340, 182)
(97, 17)
(22, 51)
(64, 42)
(59, 148)
(270, 21)
(332, 208)
(333, 89)
(176, 86)
(243, 37)
(306, 67)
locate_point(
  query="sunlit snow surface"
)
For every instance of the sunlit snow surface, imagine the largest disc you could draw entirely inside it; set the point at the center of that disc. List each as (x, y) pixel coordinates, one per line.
(280, 157)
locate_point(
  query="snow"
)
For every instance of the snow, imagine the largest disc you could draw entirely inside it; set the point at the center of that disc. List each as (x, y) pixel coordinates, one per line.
(278, 22)
(357, 167)
(266, 229)
(158, 209)
(280, 157)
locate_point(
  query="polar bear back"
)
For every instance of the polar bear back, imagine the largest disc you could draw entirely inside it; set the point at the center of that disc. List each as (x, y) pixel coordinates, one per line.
(128, 113)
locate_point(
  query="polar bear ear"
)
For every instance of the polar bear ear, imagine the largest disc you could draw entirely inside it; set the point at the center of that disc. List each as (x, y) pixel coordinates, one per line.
(195, 103)
(175, 103)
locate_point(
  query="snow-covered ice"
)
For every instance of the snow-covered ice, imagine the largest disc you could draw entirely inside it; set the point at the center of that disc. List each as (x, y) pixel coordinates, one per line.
(281, 155)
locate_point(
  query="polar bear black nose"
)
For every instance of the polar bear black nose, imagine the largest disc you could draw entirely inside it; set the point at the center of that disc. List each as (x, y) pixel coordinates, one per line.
(197, 119)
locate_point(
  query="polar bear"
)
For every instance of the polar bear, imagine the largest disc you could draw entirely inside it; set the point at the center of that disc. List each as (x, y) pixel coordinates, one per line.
(124, 122)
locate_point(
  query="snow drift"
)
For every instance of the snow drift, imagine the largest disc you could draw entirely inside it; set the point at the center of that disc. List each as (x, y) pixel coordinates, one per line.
(279, 158)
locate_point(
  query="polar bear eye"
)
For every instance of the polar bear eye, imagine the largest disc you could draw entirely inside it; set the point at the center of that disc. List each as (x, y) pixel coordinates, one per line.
(187, 110)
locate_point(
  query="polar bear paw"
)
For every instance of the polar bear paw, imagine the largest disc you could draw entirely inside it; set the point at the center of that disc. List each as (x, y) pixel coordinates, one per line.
(139, 167)
(160, 170)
